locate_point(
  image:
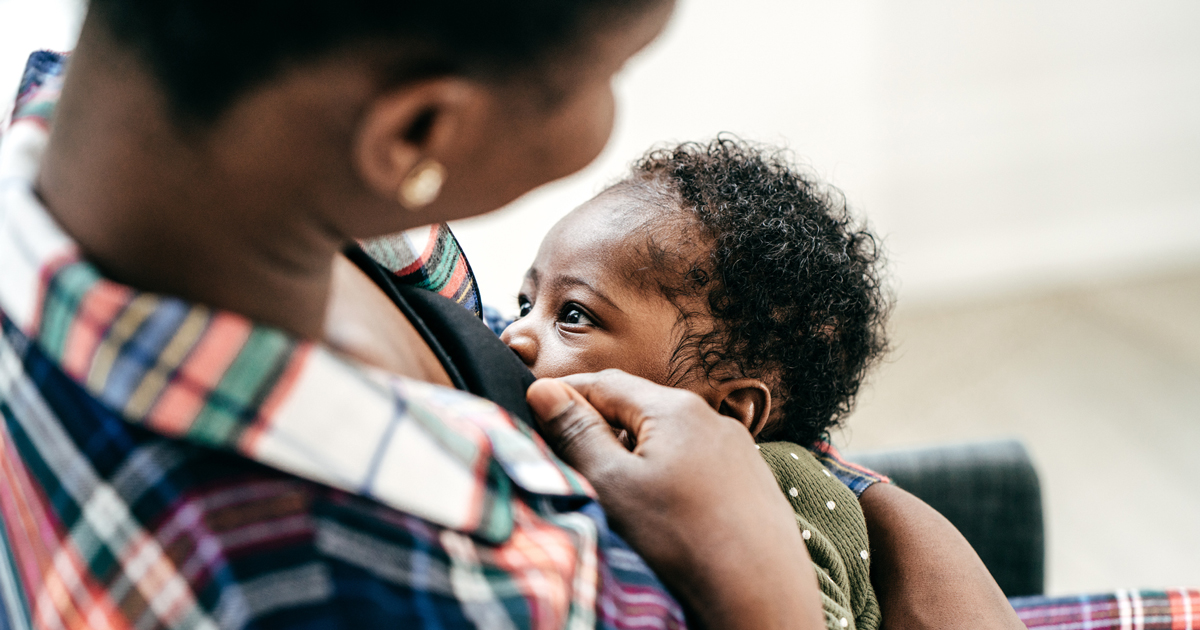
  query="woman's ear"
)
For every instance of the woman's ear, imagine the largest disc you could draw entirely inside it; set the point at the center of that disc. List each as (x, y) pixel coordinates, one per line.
(419, 121)
(747, 400)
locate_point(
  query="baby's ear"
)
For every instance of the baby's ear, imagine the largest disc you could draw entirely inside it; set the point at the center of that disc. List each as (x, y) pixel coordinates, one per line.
(747, 400)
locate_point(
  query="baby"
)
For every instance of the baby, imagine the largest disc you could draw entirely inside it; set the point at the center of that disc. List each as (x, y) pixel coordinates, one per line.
(720, 269)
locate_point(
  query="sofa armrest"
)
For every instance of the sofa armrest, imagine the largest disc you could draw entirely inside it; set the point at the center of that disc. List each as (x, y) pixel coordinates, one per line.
(990, 492)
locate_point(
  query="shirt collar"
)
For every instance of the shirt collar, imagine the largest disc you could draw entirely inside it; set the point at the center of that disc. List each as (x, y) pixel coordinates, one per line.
(215, 378)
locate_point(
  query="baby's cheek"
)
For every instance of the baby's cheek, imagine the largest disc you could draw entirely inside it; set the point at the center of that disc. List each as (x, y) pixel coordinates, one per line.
(638, 360)
(655, 368)
(585, 357)
(651, 361)
(556, 364)
(552, 371)
(645, 358)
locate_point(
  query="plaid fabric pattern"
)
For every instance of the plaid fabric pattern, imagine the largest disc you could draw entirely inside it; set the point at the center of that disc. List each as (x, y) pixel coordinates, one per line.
(1176, 609)
(40, 85)
(163, 464)
(856, 477)
(429, 258)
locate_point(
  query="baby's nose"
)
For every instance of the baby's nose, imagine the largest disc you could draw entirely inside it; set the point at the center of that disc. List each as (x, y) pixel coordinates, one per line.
(517, 337)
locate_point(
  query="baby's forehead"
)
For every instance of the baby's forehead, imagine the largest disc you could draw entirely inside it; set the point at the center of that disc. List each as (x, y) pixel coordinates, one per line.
(618, 208)
(596, 245)
(615, 228)
(627, 244)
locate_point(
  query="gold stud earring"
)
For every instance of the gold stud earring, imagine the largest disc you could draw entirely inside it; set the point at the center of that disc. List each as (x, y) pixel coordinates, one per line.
(422, 185)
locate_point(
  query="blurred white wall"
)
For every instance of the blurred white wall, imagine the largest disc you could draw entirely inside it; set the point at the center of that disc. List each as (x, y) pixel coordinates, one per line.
(1000, 146)
(997, 144)
(29, 25)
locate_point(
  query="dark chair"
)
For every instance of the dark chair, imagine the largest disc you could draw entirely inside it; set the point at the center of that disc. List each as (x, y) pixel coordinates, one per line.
(990, 491)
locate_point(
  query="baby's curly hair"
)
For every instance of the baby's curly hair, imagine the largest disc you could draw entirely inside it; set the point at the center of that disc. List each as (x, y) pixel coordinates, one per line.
(793, 281)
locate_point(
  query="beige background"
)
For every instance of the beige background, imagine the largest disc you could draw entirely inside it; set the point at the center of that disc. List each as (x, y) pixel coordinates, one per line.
(1032, 166)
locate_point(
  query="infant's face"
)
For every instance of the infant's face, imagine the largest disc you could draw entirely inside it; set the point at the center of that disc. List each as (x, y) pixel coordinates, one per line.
(581, 307)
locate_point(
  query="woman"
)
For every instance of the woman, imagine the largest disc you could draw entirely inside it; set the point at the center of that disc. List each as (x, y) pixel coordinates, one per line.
(170, 459)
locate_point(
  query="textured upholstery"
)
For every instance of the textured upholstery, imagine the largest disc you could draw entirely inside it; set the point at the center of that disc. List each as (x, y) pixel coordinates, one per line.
(990, 491)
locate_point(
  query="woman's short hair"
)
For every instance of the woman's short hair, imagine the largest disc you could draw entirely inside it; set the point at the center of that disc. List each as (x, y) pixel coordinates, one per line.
(205, 53)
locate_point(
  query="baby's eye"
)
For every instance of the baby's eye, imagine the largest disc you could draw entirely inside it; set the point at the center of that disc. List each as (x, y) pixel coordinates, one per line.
(524, 306)
(572, 314)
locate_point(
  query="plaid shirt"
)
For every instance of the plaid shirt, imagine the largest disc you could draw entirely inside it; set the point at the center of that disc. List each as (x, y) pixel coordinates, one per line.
(1175, 609)
(167, 465)
(163, 464)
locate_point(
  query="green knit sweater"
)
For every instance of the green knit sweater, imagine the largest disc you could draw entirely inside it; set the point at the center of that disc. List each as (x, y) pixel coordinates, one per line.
(835, 531)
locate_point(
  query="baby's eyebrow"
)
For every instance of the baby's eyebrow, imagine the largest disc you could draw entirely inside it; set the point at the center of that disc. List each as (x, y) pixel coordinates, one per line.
(572, 281)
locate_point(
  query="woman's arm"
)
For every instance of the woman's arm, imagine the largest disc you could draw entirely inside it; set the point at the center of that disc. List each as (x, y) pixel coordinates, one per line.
(926, 575)
(694, 498)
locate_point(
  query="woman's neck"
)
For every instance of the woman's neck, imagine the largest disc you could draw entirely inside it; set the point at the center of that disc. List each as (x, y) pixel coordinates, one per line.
(150, 209)
(362, 322)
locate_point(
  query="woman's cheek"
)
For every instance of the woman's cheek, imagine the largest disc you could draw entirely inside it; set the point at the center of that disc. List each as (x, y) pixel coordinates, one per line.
(584, 126)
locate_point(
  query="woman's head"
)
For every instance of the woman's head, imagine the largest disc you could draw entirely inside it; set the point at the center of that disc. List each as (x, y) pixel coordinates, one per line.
(345, 97)
(209, 53)
(754, 287)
